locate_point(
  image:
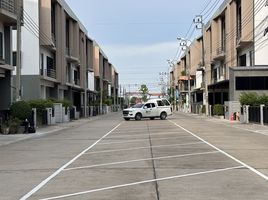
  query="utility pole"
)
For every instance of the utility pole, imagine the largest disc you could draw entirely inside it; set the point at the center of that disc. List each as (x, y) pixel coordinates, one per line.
(188, 73)
(18, 57)
(200, 25)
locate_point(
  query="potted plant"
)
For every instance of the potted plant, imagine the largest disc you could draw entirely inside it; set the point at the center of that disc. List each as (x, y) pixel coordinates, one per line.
(14, 125)
(5, 128)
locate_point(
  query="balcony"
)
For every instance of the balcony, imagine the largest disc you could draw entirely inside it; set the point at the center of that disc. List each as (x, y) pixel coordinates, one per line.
(220, 53)
(77, 82)
(8, 12)
(70, 57)
(51, 73)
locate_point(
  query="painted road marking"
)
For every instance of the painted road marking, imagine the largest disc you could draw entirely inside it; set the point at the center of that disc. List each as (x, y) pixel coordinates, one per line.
(223, 152)
(139, 160)
(143, 182)
(44, 182)
(136, 135)
(147, 147)
(140, 140)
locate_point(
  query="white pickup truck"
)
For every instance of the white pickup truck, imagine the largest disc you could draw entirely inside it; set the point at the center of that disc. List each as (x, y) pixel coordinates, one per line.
(153, 108)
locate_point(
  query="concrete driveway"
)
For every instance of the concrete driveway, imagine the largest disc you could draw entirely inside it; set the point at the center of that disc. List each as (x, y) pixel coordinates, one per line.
(184, 157)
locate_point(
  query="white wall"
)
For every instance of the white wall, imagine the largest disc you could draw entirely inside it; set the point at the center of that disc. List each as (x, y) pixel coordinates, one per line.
(199, 79)
(91, 82)
(30, 43)
(261, 41)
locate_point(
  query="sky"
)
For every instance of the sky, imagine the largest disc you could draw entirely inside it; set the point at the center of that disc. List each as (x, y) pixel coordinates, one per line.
(139, 36)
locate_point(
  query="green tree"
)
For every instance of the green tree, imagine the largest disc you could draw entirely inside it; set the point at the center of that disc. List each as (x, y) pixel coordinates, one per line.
(144, 92)
(133, 100)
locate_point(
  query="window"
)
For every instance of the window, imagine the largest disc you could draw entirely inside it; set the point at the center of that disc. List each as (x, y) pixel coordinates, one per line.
(67, 27)
(148, 105)
(239, 19)
(1, 46)
(42, 61)
(251, 58)
(243, 60)
(50, 63)
(166, 103)
(152, 105)
(14, 58)
(160, 103)
(252, 83)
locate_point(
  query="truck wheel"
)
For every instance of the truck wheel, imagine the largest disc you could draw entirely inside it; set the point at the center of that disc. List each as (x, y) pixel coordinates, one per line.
(163, 115)
(138, 117)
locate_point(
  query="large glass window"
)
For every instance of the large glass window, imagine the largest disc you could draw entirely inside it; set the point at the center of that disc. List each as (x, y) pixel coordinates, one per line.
(252, 83)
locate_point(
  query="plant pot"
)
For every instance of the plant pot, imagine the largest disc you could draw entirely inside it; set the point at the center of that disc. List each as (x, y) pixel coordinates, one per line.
(5, 130)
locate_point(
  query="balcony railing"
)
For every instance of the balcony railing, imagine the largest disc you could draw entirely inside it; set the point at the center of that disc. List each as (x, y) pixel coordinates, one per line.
(220, 50)
(48, 72)
(77, 81)
(8, 5)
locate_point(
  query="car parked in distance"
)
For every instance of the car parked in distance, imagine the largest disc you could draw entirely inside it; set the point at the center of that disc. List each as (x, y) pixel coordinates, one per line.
(153, 108)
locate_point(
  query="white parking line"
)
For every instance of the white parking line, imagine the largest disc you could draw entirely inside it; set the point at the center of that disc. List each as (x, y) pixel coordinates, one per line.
(143, 182)
(223, 152)
(144, 159)
(44, 182)
(140, 140)
(136, 135)
(147, 147)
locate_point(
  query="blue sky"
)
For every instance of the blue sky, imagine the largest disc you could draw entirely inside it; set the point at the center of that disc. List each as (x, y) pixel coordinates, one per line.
(139, 36)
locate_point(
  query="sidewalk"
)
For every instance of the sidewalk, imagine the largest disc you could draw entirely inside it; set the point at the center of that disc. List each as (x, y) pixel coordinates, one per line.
(9, 139)
(255, 128)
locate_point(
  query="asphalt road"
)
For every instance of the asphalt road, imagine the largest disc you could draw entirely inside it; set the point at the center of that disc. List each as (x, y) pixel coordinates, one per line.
(184, 157)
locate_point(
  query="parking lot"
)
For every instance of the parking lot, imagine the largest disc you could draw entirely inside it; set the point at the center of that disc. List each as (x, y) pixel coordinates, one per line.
(157, 159)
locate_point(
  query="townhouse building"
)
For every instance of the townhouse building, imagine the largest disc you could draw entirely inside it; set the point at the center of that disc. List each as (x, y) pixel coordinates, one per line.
(235, 54)
(8, 19)
(58, 56)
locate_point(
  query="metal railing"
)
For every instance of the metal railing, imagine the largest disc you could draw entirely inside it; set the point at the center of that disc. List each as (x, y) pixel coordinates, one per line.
(77, 81)
(8, 5)
(220, 50)
(48, 72)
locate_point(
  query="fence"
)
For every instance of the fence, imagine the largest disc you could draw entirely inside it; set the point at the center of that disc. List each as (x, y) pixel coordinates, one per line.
(265, 115)
(254, 114)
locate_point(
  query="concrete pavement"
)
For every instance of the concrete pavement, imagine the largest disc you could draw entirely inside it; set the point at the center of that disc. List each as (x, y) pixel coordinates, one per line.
(184, 157)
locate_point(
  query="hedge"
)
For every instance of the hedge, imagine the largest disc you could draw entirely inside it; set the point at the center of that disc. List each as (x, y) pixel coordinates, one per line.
(218, 109)
(253, 99)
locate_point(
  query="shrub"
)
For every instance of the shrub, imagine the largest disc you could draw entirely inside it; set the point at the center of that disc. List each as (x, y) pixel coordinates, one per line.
(203, 109)
(65, 103)
(108, 102)
(253, 99)
(250, 99)
(263, 100)
(40, 105)
(218, 109)
(20, 110)
(183, 73)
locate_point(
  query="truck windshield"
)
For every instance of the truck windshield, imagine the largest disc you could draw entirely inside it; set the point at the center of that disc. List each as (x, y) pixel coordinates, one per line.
(140, 105)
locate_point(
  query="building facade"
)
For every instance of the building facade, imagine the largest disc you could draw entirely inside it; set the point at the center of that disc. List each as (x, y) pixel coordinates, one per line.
(8, 19)
(235, 53)
(58, 56)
